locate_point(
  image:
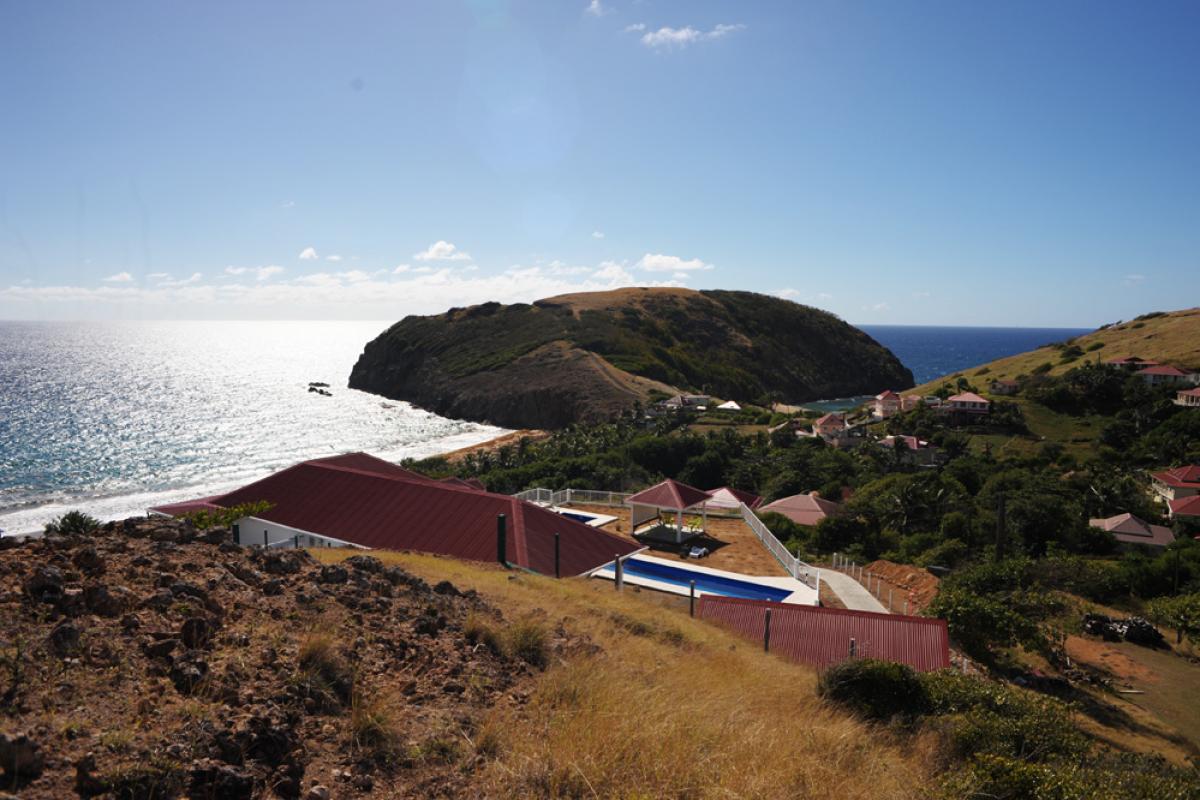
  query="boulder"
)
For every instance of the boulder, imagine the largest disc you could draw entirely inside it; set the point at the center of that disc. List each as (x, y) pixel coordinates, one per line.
(45, 585)
(333, 573)
(64, 640)
(21, 756)
(212, 780)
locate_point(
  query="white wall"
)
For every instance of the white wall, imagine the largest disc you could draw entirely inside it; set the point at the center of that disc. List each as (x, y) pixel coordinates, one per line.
(252, 528)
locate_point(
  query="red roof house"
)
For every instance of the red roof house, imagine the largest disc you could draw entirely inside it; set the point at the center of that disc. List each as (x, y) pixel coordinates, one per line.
(1175, 484)
(1186, 507)
(1128, 529)
(822, 637)
(729, 498)
(804, 509)
(1163, 374)
(360, 500)
(969, 402)
(1188, 398)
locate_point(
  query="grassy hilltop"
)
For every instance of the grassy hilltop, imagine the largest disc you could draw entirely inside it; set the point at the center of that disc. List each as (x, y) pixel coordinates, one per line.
(587, 357)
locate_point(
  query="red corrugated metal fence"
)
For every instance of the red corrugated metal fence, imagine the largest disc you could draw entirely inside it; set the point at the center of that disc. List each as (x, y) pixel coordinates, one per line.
(822, 637)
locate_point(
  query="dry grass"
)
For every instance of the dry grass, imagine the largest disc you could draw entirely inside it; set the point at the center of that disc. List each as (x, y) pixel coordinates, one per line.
(1173, 339)
(327, 677)
(373, 726)
(667, 706)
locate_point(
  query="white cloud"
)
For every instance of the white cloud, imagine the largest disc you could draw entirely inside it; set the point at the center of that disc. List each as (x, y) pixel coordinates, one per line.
(441, 251)
(402, 268)
(195, 278)
(288, 204)
(423, 269)
(120, 277)
(666, 38)
(309, 254)
(154, 276)
(597, 234)
(658, 262)
(323, 295)
(596, 9)
(636, 27)
(260, 273)
(1134, 279)
(877, 307)
(824, 296)
(787, 294)
(334, 257)
(920, 295)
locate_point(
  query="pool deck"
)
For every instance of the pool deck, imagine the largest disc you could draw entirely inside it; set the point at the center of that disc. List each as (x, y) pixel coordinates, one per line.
(801, 593)
(737, 548)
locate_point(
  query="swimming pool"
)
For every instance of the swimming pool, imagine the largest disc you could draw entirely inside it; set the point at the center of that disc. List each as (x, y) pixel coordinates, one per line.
(586, 517)
(707, 581)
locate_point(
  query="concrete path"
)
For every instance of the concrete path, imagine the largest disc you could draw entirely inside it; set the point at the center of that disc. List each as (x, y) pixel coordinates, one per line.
(852, 593)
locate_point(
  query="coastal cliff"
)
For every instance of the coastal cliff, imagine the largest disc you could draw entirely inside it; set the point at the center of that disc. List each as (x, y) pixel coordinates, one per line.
(587, 357)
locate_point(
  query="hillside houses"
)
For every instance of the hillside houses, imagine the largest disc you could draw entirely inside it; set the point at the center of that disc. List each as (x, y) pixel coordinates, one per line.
(1005, 387)
(1176, 484)
(886, 405)
(1188, 398)
(1167, 375)
(911, 449)
(968, 403)
(1131, 531)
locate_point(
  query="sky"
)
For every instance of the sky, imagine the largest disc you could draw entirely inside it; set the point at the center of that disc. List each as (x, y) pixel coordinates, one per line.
(932, 162)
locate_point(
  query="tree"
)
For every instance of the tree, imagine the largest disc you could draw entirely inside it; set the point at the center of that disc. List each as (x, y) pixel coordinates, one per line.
(73, 522)
(1182, 613)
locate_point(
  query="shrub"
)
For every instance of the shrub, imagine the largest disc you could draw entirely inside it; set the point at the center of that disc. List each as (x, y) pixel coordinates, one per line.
(73, 522)
(1043, 368)
(374, 727)
(324, 674)
(874, 689)
(526, 640)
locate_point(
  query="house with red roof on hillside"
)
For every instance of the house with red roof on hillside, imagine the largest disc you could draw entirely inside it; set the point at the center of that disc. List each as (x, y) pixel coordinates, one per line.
(1166, 375)
(885, 405)
(912, 449)
(1187, 508)
(1188, 398)
(1131, 363)
(357, 500)
(1178, 483)
(967, 402)
(804, 509)
(729, 499)
(1130, 530)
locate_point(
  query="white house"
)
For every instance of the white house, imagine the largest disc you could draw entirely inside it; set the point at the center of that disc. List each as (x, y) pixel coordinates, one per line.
(886, 405)
(968, 402)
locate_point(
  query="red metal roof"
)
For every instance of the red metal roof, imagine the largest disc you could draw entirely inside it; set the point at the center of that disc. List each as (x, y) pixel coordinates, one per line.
(190, 506)
(728, 497)
(1165, 370)
(821, 637)
(1186, 506)
(804, 509)
(1191, 392)
(1188, 477)
(669, 494)
(968, 397)
(1134, 530)
(396, 509)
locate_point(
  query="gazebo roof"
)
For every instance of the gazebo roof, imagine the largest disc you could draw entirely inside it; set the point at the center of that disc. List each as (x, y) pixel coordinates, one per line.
(669, 494)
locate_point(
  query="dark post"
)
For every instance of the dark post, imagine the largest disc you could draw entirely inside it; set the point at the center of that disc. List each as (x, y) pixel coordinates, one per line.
(767, 632)
(264, 539)
(237, 533)
(501, 540)
(296, 542)
(557, 553)
(692, 599)
(852, 647)
(619, 572)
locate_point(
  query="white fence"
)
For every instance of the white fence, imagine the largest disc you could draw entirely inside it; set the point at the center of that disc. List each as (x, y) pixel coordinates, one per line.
(806, 573)
(562, 497)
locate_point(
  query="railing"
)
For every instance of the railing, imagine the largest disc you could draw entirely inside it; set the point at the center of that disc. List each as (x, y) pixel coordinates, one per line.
(546, 497)
(806, 573)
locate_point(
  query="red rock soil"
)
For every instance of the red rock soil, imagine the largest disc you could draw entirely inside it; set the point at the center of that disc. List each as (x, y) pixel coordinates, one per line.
(150, 660)
(914, 583)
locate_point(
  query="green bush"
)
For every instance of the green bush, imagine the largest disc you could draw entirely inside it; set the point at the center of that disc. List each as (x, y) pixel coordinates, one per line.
(877, 690)
(73, 522)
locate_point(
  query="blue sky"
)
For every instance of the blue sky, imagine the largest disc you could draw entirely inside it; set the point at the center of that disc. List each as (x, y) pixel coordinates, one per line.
(922, 162)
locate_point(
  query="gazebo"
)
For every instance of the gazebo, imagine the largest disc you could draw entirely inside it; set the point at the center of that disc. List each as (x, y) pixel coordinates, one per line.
(670, 495)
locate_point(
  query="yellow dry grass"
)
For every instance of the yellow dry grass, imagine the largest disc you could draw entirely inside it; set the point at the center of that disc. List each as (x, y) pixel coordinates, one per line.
(665, 706)
(1170, 339)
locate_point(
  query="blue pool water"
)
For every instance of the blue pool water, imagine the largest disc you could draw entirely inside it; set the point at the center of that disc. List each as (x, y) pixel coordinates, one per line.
(577, 516)
(713, 584)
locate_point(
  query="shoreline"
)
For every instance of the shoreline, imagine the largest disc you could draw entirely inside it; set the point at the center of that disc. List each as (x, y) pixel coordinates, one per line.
(494, 444)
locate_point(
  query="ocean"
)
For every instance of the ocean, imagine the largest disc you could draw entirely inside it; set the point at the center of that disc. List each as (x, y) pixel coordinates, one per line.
(113, 418)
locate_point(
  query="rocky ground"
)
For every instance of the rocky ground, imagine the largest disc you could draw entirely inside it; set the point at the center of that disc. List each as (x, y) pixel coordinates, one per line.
(151, 660)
